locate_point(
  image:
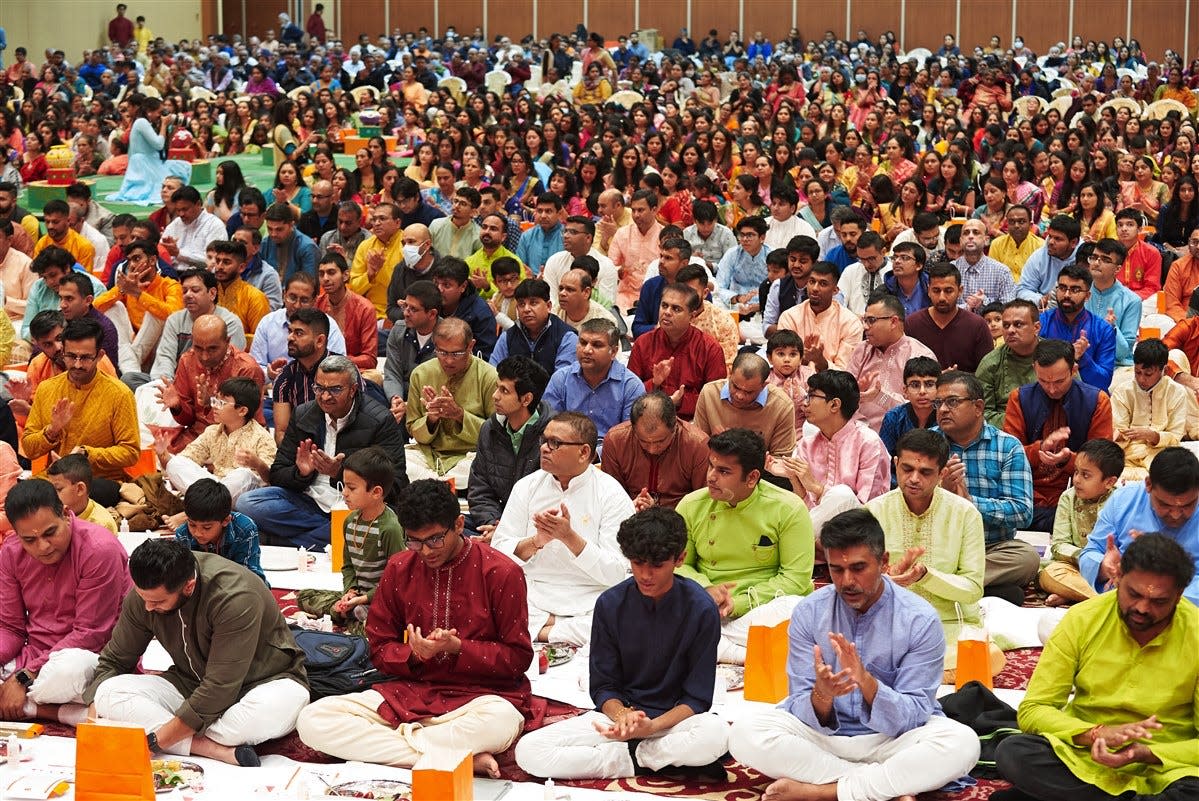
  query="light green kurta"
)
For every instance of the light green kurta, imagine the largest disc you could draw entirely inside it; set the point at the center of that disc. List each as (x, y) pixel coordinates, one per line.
(764, 544)
(1114, 680)
(1072, 525)
(446, 442)
(951, 533)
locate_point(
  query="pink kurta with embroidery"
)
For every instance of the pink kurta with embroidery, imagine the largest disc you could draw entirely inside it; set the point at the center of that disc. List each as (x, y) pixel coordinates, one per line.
(855, 457)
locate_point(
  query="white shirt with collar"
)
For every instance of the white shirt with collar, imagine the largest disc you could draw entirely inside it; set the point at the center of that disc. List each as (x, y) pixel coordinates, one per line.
(193, 239)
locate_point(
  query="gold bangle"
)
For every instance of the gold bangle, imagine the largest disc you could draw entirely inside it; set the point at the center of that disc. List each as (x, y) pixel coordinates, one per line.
(819, 696)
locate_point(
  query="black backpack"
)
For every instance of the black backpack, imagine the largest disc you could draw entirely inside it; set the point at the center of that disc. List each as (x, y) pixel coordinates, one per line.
(336, 663)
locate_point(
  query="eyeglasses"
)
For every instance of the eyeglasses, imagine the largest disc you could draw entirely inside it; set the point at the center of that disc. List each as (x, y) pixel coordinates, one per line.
(917, 385)
(79, 358)
(431, 543)
(869, 321)
(747, 234)
(218, 403)
(813, 396)
(1095, 258)
(451, 354)
(1072, 290)
(951, 403)
(333, 391)
(903, 257)
(553, 444)
(298, 300)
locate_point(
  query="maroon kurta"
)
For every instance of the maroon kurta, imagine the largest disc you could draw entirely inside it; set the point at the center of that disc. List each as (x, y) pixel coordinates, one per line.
(482, 594)
(698, 359)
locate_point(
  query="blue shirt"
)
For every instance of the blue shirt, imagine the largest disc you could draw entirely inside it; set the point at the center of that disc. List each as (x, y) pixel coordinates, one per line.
(302, 254)
(740, 272)
(265, 279)
(608, 404)
(899, 639)
(1099, 361)
(999, 480)
(1039, 276)
(536, 246)
(42, 297)
(564, 358)
(1129, 509)
(840, 257)
(897, 422)
(646, 318)
(655, 655)
(238, 543)
(1127, 307)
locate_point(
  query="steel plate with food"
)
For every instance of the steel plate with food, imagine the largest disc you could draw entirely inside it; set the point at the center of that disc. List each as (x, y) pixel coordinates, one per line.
(176, 774)
(377, 789)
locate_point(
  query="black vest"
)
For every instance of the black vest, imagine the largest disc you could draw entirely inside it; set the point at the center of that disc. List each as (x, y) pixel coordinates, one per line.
(545, 350)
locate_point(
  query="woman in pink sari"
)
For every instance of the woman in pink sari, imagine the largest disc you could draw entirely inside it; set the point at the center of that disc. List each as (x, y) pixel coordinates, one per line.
(1021, 191)
(900, 164)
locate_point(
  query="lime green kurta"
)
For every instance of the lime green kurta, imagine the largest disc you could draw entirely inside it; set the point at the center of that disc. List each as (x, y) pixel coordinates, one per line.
(1114, 680)
(951, 533)
(727, 543)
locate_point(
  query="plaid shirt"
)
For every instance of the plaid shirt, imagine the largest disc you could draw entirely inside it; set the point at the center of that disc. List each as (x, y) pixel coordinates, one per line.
(239, 543)
(999, 479)
(992, 277)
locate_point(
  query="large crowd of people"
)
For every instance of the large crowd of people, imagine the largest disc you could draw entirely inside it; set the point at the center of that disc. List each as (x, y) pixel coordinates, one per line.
(679, 330)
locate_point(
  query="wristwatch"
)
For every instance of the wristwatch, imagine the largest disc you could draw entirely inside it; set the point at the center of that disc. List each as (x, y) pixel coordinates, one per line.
(152, 741)
(24, 678)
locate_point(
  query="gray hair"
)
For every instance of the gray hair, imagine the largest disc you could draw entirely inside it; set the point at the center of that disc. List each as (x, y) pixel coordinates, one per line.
(336, 363)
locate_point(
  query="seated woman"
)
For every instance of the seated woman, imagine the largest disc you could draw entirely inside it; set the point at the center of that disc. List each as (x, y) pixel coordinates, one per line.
(289, 188)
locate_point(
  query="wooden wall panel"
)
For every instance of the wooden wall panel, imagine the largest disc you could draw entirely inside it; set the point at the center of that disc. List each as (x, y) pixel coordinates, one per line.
(813, 19)
(608, 18)
(1158, 25)
(667, 17)
(927, 23)
(556, 16)
(1043, 24)
(772, 19)
(511, 18)
(875, 17)
(1100, 20)
(368, 18)
(718, 14)
(981, 19)
(464, 15)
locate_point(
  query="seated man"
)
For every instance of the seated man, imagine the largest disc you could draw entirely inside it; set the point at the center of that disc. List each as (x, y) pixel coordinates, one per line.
(657, 457)
(937, 538)
(633, 247)
(449, 398)
(988, 468)
(307, 346)
(653, 657)
(575, 290)
(713, 321)
(1165, 503)
(596, 383)
(71, 476)
(509, 442)
(748, 542)
(746, 400)
(64, 578)
(211, 526)
(413, 344)
(461, 300)
(149, 298)
(373, 262)
(1009, 366)
(46, 336)
(905, 743)
(560, 525)
(199, 298)
(959, 338)
(106, 433)
(244, 680)
(186, 237)
(246, 302)
(75, 302)
(353, 313)
(463, 686)
(235, 450)
(743, 268)
(878, 362)
(294, 510)
(51, 266)
(1142, 270)
(1052, 417)
(290, 250)
(830, 331)
(270, 339)
(538, 332)
(1092, 337)
(1149, 414)
(1110, 297)
(1087, 736)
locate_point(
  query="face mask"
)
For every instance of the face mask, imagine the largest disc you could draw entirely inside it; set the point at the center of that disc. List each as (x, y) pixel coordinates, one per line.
(412, 255)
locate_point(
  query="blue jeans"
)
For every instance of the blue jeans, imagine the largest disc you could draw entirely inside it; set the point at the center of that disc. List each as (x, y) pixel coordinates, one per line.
(285, 517)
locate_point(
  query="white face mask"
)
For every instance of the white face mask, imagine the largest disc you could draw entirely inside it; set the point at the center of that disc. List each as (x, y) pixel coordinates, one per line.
(412, 255)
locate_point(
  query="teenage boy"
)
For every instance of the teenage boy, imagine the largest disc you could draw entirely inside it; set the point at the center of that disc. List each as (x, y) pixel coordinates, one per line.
(1149, 414)
(920, 376)
(653, 667)
(213, 527)
(372, 535)
(72, 479)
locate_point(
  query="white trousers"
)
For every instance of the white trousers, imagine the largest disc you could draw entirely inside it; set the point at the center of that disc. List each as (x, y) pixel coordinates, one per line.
(836, 499)
(183, 472)
(137, 349)
(869, 767)
(264, 713)
(63, 678)
(418, 467)
(350, 727)
(575, 630)
(734, 634)
(573, 749)
(150, 412)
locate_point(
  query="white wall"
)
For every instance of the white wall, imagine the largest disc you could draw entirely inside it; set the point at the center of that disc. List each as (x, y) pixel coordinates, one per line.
(77, 25)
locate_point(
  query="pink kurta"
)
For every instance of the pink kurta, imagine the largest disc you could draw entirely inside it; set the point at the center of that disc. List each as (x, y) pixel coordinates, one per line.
(73, 603)
(888, 367)
(855, 457)
(839, 329)
(631, 252)
(481, 593)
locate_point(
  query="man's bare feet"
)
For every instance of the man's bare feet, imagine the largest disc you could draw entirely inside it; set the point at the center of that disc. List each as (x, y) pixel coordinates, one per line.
(1056, 600)
(791, 790)
(485, 765)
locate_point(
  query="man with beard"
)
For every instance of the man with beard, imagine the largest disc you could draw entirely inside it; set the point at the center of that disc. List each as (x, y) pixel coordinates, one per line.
(353, 313)
(491, 247)
(1092, 736)
(959, 338)
(855, 732)
(307, 340)
(1093, 338)
(226, 260)
(46, 335)
(830, 331)
(270, 340)
(238, 676)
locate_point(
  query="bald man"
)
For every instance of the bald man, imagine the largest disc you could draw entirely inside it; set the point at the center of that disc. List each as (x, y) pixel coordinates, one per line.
(211, 359)
(614, 215)
(322, 217)
(417, 261)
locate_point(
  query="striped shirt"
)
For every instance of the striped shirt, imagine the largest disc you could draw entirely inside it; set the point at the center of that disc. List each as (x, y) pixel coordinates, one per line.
(368, 547)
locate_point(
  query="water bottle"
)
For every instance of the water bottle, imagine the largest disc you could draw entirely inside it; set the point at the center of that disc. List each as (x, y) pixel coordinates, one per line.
(124, 526)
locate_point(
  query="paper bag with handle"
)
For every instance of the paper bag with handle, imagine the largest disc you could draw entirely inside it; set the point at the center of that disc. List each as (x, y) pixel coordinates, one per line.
(112, 763)
(766, 663)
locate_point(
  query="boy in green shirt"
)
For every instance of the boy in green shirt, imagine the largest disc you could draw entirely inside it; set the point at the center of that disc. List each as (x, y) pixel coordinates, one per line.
(372, 535)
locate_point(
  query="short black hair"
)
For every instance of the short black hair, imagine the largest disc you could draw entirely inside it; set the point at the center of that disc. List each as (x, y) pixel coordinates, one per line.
(825, 268)
(1106, 455)
(52, 256)
(1112, 247)
(784, 338)
(944, 269)
(679, 244)
(46, 321)
(921, 366)
(83, 328)
(428, 502)
(504, 265)
(207, 277)
(1161, 555)
(586, 223)
(589, 266)
(532, 288)
(56, 206)
(229, 247)
(994, 307)
(693, 272)
(374, 466)
(974, 387)
(838, 385)
(548, 199)
(207, 501)
(805, 245)
(852, 528)
(913, 249)
(648, 195)
(1150, 353)
(312, 317)
(451, 268)
(924, 221)
(81, 282)
(526, 375)
(1076, 272)
(744, 445)
(757, 224)
(74, 467)
(1049, 352)
(926, 443)
(1174, 470)
(426, 292)
(655, 536)
(691, 297)
(703, 211)
(26, 497)
(1065, 224)
(186, 194)
(337, 260)
(890, 302)
(162, 562)
(582, 425)
(245, 393)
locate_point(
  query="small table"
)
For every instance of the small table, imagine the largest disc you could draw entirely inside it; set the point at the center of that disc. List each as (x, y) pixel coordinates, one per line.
(42, 192)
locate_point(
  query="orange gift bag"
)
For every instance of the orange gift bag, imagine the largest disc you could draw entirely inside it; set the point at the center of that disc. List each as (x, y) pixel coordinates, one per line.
(766, 663)
(112, 763)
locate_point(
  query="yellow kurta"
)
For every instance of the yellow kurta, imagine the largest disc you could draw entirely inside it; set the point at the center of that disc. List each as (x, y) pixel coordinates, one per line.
(1114, 680)
(161, 298)
(95, 513)
(247, 303)
(1163, 409)
(104, 422)
(376, 291)
(1005, 250)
